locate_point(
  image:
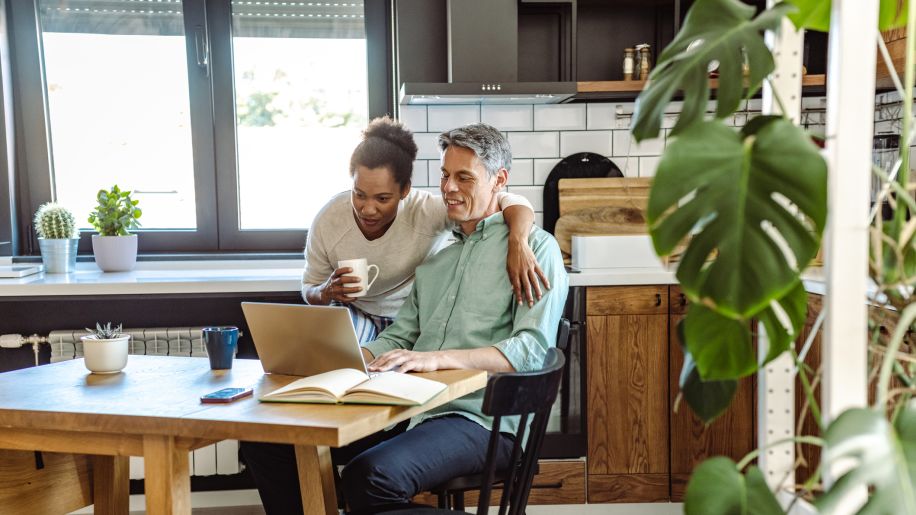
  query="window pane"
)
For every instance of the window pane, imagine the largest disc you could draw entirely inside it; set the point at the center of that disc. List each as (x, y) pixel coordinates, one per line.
(119, 107)
(301, 102)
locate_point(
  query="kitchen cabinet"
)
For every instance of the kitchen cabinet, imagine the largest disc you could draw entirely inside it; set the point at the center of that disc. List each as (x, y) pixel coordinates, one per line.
(639, 450)
(692, 441)
(627, 388)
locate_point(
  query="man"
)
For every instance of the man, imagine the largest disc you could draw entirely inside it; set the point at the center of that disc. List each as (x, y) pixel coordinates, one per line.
(460, 314)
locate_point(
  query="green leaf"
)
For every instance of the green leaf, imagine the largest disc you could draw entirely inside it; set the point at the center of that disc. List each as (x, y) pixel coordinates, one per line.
(882, 459)
(720, 346)
(718, 488)
(794, 309)
(815, 14)
(811, 14)
(708, 399)
(726, 189)
(727, 35)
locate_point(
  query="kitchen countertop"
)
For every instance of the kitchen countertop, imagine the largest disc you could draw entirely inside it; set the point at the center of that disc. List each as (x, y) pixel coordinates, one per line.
(171, 277)
(244, 276)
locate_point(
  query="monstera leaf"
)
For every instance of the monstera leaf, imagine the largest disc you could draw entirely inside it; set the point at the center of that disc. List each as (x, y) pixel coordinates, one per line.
(815, 14)
(885, 460)
(717, 487)
(724, 31)
(722, 347)
(708, 399)
(755, 199)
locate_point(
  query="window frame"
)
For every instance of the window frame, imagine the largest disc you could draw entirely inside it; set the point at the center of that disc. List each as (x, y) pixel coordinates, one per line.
(213, 129)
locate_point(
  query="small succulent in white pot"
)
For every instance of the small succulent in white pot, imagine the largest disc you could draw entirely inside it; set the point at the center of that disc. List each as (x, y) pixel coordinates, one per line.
(58, 238)
(105, 349)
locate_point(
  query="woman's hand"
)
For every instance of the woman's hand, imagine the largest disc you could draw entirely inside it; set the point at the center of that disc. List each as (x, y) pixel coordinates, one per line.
(524, 271)
(405, 361)
(335, 287)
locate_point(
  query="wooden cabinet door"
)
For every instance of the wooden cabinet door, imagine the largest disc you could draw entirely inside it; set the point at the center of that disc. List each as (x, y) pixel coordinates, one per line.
(628, 406)
(732, 434)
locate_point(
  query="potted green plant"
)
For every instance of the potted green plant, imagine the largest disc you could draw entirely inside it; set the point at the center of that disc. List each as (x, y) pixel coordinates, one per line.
(58, 238)
(105, 349)
(115, 215)
(716, 188)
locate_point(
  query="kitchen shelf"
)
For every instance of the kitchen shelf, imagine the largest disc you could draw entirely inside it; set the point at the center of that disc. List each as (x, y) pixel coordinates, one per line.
(622, 89)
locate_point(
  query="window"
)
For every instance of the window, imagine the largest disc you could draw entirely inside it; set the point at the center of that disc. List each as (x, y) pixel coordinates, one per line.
(232, 121)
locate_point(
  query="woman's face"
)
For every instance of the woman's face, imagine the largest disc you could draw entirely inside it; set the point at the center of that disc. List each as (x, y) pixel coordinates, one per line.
(375, 197)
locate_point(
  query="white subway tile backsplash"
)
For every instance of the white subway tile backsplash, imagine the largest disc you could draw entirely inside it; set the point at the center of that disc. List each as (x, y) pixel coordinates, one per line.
(443, 118)
(418, 178)
(625, 144)
(414, 117)
(669, 120)
(427, 145)
(539, 219)
(562, 117)
(542, 169)
(534, 194)
(435, 173)
(629, 166)
(600, 116)
(598, 142)
(534, 144)
(507, 117)
(648, 165)
(522, 172)
(814, 103)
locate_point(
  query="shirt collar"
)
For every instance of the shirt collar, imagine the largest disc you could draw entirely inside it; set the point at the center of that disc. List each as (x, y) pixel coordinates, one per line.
(483, 229)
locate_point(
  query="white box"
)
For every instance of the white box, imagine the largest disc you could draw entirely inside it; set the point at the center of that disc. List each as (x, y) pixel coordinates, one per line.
(624, 251)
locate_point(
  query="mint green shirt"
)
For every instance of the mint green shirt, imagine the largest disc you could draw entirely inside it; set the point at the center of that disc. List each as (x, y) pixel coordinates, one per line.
(462, 299)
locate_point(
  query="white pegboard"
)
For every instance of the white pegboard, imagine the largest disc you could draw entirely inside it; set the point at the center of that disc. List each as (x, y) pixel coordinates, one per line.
(776, 382)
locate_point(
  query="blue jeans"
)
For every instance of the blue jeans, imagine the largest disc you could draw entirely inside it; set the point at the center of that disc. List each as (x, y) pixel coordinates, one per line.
(383, 471)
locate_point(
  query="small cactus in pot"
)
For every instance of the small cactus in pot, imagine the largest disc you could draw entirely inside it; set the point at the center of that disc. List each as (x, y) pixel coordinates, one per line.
(55, 222)
(58, 238)
(105, 349)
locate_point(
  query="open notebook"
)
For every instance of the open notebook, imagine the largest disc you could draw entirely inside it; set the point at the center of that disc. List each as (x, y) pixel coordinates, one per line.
(350, 386)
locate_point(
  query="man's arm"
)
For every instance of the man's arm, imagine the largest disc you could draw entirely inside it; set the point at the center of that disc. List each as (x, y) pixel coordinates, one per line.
(402, 333)
(489, 359)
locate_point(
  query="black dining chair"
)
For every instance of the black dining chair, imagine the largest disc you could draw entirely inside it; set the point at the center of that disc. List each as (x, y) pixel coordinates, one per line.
(529, 395)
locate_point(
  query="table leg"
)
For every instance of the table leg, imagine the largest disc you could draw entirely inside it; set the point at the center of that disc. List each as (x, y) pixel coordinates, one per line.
(111, 484)
(167, 482)
(316, 480)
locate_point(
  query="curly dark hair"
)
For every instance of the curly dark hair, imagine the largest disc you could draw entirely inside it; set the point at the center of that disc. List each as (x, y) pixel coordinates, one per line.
(387, 143)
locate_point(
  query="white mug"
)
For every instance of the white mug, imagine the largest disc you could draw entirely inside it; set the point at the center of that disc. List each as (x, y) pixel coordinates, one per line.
(361, 269)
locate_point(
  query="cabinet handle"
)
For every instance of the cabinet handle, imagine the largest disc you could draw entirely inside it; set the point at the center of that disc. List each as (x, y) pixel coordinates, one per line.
(658, 299)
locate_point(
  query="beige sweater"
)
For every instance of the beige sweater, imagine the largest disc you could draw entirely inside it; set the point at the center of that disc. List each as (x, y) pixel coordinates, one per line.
(420, 229)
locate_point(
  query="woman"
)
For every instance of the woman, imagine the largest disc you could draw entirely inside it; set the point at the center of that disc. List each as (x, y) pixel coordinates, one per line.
(396, 228)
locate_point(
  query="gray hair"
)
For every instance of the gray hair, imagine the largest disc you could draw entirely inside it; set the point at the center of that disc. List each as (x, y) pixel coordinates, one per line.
(491, 147)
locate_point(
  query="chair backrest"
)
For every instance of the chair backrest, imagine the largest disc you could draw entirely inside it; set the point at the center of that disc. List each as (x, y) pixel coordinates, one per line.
(563, 335)
(531, 396)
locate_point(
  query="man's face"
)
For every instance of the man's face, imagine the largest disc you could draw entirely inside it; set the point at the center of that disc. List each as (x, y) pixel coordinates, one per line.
(469, 192)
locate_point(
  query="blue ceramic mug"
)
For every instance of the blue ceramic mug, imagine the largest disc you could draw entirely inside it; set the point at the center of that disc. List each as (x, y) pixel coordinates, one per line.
(221, 343)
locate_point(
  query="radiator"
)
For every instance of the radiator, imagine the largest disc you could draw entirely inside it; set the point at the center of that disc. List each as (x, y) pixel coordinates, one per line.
(220, 458)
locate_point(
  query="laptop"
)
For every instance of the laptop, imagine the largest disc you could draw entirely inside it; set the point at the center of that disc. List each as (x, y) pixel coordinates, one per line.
(301, 340)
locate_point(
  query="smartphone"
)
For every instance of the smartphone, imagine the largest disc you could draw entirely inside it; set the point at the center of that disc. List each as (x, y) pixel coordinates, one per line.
(226, 395)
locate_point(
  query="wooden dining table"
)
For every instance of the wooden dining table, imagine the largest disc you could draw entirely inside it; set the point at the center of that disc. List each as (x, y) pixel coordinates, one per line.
(152, 409)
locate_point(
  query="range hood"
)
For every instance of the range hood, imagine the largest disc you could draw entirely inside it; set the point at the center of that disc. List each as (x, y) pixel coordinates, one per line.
(483, 61)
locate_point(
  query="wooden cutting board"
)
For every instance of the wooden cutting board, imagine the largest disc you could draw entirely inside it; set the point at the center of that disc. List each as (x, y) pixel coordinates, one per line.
(578, 194)
(603, 206)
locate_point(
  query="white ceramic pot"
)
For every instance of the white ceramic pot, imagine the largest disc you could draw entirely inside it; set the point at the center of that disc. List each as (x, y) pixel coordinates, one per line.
(107, 356)
(115, 253)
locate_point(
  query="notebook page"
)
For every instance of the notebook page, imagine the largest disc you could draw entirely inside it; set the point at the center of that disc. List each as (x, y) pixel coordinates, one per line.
(335, 382)
(397, 385)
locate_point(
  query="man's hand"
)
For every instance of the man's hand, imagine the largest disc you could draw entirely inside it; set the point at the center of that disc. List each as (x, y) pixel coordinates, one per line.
(524, 271)
(405, 361)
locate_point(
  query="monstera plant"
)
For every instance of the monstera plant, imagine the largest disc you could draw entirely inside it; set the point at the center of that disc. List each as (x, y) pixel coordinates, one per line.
(751, 205)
